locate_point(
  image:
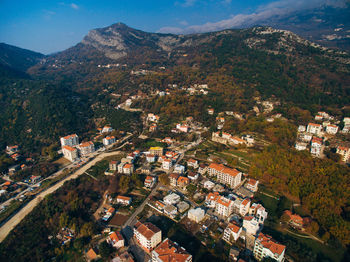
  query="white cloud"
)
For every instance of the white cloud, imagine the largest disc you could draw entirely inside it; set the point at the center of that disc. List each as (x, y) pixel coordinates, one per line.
(183, 22)
(74, 6)
(262, 14)
(186, 3)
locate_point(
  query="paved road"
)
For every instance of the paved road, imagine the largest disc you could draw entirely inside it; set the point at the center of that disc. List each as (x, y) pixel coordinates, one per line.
(10, 224)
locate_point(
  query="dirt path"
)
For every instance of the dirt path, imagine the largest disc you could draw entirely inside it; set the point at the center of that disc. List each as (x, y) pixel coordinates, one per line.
(17, 218)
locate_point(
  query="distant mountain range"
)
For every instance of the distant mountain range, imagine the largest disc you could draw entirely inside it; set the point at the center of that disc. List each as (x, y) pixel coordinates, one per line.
(18, 58)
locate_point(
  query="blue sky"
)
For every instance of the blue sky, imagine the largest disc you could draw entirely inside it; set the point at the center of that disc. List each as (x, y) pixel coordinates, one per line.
(50, 26)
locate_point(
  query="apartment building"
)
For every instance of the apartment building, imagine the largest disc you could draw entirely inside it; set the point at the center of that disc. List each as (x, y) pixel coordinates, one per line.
(225, 175)
(147, 235)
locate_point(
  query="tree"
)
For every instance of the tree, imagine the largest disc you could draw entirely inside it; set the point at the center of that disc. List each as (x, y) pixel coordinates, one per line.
(105, 249)
(164, 179)
(124, 183)
(191, 189)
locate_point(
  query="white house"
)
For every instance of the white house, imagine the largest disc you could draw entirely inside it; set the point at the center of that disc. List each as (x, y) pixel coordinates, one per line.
(314, 128)
(70, 153)
(167, 164)
(109, 140)
(252, 185)
(344, 152)
(224, 206)
(259, 212)
(123, 200)
(332, 129)
(225, 175)
(86, 148)
(301, 128)
(265, 246)
(147, 235)
(169, 251)
(300, 146)
(172, 199)
(316, 146)
(150, 158)
(196, 215)
(107, 129)
(192, 163)
(251, 225)
(70, 140)
(115, 239)
(179, 169)
(232, 230)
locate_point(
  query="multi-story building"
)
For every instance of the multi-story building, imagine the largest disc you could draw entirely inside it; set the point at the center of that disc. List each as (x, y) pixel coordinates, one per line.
(106, 129)
(192, 163)
(113, 165)
(252, 185)
(182, 181)
(109, 140)
(70, 140)
(128, 169)
(332, 129)
(147, 235)
(224, 206)
(86, 148)
(259, 212)
(156, 150)
(115, 239)
(344, 152)
(316, 146)
(173, 179)
(265, 247)
(167, 164)
(315, 129)
(70, 153)
(123, 200)
(225, 175)
(150, 181)
(211, 199)
(244, 207)
(251, 225)
(232, 232)
(170, 251)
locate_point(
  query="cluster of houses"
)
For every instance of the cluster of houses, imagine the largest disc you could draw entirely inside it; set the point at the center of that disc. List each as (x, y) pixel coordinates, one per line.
(149, 237)
(13, 152)
(314, 135)
(153, 120)
(71, 148)
(228, 139)
(197, 89)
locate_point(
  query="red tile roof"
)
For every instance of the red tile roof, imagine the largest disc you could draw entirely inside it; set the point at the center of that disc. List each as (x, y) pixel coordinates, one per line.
(169, 251)
(148, 230)
(69, 148)
(267, 242)
(234, 227)
(86, 144)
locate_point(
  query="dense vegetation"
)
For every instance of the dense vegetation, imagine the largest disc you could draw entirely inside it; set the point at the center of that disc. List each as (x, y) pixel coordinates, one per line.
(322, 186)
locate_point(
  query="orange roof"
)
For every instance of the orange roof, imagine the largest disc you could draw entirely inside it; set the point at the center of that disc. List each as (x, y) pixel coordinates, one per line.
(111, 210)
(113, 162)
(91, 254)
(267, 242)
(183, 180)
(213, 196)
(245, 202)
(69, 148)
(86, 144)
(334, 126)
(128, 165)
(316, 125)
(234, 228)
(123, 198)
(116, 236)
(160, 204)
(224, 169)
(169, 251)
(252, 182)
(174, 176)
(70, 136)
(238, 139)
(224, 201)
(191, 160)
(343, 148)
(148, 230)
(7, 183)
(248, 218)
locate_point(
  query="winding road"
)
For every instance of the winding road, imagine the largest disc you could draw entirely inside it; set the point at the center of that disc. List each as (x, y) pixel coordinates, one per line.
(17, 218)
